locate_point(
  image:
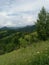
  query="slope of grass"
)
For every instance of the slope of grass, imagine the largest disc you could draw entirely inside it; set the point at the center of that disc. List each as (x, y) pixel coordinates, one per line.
(35, 54)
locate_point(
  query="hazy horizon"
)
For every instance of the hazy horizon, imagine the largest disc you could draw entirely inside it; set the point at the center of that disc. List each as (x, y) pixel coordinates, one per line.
(18, 13)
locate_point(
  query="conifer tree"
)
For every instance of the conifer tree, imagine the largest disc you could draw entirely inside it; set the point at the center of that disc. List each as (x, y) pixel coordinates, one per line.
(41, 24)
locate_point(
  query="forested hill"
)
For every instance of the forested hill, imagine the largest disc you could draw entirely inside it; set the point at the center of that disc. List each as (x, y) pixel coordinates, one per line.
(20, 29)
(11, 38)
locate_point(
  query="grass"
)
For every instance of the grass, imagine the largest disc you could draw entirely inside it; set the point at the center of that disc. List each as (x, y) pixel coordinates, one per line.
(35, 54)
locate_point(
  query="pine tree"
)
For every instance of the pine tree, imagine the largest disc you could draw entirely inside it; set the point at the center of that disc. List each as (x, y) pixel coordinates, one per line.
(41, 24)
(47, 25)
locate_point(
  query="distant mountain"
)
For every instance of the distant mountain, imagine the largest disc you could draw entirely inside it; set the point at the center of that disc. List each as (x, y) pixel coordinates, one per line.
(20, 29)
(27, 28)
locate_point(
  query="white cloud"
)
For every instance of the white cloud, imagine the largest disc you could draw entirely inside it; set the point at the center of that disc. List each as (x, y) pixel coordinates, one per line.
(20, 12)
(3, 14)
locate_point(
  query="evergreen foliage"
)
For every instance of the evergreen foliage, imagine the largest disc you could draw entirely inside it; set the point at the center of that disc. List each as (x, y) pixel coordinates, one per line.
(42, 25)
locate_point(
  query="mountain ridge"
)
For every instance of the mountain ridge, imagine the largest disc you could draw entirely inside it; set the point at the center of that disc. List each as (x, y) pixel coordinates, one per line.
(26, 28)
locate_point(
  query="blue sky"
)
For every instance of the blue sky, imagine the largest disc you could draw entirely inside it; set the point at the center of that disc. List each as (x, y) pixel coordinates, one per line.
(20, 12)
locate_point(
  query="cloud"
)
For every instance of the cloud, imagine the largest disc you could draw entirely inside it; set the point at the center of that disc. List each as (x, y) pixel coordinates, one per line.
(20, 12)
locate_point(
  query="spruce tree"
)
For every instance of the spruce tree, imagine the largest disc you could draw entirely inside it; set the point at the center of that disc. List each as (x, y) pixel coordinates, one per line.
(41, 24)
(47, 25)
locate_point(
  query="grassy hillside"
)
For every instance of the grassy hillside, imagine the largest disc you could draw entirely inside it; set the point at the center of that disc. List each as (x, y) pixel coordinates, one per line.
(35, 54)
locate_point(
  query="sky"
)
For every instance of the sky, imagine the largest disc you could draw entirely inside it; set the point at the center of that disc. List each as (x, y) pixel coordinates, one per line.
(18, 13)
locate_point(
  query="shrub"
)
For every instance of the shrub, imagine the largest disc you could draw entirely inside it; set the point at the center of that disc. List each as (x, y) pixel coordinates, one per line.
(23, 42)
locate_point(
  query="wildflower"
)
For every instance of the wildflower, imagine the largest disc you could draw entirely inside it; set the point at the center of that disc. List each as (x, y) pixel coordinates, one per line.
(38, 52)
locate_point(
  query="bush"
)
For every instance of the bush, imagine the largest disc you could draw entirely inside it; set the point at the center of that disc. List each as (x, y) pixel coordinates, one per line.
(9, 47)
(23, 42)
(34, 37)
